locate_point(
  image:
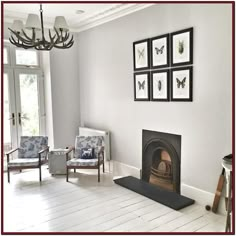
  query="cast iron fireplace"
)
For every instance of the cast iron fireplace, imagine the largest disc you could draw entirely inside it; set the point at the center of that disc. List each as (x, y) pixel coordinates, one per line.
(160, 170)
(161, 159)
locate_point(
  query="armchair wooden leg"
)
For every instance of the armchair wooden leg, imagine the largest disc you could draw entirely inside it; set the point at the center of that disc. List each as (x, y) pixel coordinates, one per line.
(40, 174)
(98, 173)
(74, 170)
(8, 175)
(103, 167)
(67, 177)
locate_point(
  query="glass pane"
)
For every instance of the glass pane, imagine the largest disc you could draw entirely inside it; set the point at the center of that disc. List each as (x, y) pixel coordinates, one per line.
(7, 120)
(5, 56)
(26, 57)
(29, 104)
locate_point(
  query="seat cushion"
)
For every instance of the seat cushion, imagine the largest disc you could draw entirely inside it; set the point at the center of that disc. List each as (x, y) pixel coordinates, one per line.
(24, 162)
(82, 162)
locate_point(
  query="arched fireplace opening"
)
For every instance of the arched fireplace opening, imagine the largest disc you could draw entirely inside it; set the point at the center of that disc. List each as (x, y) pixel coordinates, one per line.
(162, 170)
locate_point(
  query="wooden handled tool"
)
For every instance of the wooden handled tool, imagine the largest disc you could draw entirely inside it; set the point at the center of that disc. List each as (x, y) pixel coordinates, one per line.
(218, 191)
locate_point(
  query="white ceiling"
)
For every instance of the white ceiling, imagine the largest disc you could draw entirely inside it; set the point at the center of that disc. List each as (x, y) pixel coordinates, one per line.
(94, 14)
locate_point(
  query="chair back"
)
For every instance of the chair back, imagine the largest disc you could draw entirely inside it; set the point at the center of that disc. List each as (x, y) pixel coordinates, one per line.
(31, 145)
(95, 142)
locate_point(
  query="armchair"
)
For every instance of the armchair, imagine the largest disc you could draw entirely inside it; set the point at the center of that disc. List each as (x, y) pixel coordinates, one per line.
(32, 153)
(88, 154)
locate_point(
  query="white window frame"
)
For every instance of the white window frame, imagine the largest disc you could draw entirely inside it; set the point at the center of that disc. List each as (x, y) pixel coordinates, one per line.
(37, 69)
(7, 46)
(22, 65)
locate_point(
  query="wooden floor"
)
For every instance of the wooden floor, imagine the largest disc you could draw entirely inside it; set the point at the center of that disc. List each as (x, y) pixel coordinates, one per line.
(83, 204)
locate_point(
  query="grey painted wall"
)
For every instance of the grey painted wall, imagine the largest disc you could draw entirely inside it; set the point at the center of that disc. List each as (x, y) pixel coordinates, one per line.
(106, 88)
(65, 95)
(48, 97)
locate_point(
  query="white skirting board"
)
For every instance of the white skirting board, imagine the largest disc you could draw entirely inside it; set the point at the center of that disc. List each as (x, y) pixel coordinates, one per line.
(85, 131)
(200, 196)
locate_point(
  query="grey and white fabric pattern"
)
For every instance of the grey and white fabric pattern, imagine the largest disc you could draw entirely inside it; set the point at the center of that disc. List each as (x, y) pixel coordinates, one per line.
(96, 142)
(82, 162)
(31, 145)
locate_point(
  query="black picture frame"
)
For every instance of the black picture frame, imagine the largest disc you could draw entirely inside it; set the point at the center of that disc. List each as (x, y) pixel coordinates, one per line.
(160, 51)
(160, 85)
(182, 47)
(182, 84)
(141, 54)
(142, 86)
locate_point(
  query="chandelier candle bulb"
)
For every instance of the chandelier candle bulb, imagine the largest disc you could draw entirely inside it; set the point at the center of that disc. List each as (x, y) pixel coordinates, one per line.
(60, 39)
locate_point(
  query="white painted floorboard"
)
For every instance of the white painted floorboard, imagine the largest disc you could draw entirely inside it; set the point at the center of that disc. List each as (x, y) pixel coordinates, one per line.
(84, 205)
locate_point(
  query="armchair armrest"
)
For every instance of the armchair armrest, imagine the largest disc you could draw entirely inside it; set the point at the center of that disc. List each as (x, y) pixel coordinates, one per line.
(42, 151)
(101, 153)
(10, 152)
(72, 148)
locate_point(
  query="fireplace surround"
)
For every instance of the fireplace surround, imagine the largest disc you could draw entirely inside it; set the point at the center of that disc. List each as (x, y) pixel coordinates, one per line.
(161, 159)
(161, 165)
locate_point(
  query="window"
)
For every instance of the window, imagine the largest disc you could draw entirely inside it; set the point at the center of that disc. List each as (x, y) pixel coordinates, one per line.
(26, 57)
(29, 107)
(6, 55)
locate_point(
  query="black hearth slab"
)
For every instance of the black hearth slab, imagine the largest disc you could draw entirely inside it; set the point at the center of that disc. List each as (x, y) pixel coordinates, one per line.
(167, 198)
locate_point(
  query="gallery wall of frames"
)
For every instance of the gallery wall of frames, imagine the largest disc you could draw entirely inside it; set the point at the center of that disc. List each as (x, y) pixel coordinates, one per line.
(163, 68)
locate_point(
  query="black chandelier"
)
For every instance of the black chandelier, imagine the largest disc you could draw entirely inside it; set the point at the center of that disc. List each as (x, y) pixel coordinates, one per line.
(37, 39)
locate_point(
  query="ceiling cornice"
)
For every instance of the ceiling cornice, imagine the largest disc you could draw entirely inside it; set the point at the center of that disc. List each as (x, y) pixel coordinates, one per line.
(112, 13)
(109, 15)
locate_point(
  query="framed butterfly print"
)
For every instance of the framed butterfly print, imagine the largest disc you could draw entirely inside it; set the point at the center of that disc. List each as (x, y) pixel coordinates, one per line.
(141, 86)
(141, 54)
(182, 84)
(160, 51)
(160, 85)
(182, 47)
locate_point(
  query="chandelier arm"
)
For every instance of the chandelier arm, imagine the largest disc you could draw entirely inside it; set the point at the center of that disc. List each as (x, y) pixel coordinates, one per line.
(64, 46)
(71, 40)
(51, 37)
(34, 34)
(60, 38)
(13, 41)
(67, 35)
(63, 40)
(27, 37)
(21, 38)
(68, 45)
(58, 35)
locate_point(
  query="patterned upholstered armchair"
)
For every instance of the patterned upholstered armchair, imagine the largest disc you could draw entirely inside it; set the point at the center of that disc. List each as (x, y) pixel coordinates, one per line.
(88, 154)
(32, 153)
